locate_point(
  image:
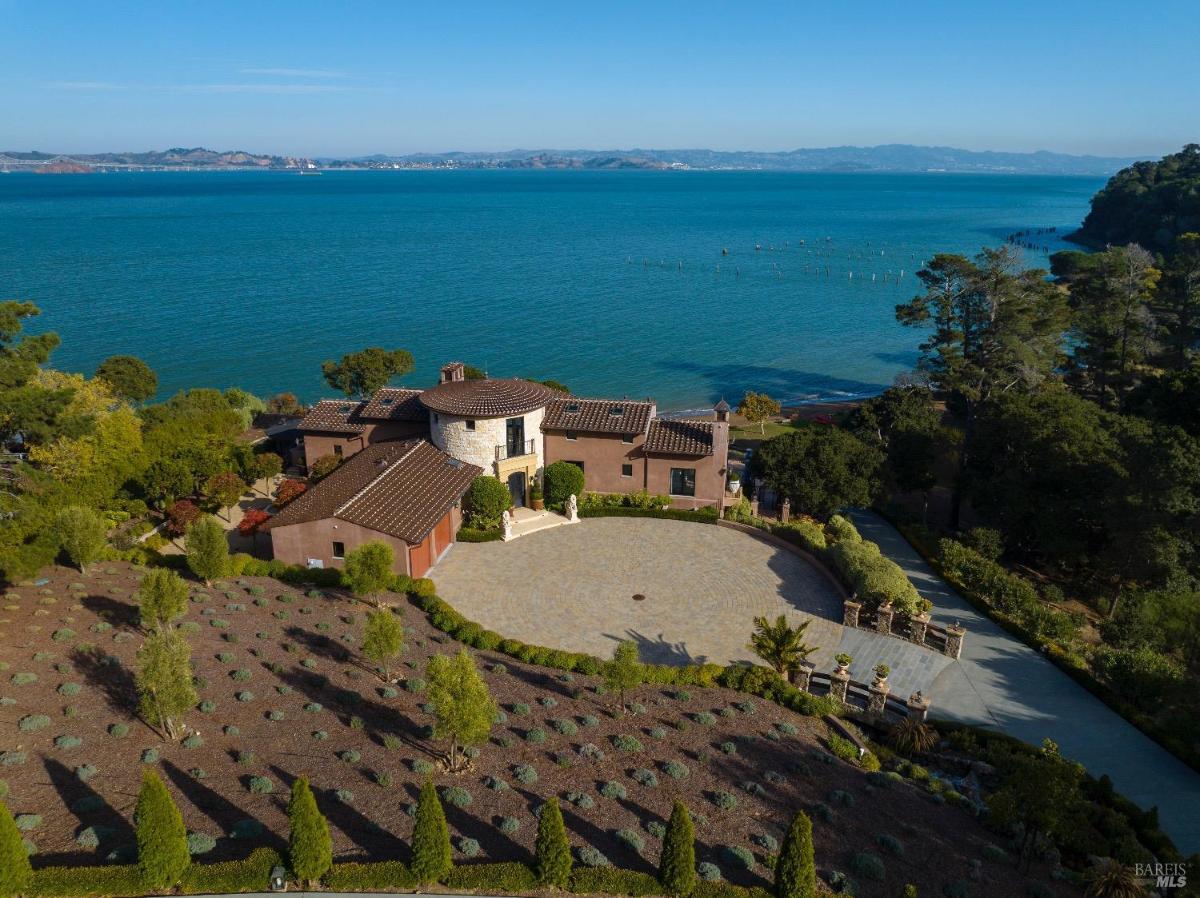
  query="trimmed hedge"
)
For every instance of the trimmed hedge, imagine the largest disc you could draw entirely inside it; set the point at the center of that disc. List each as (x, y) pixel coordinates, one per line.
(613, 881)
(377, 876)
(86, 882)
(496, 878)
(251, 874)
(473, 535)
(707, 515)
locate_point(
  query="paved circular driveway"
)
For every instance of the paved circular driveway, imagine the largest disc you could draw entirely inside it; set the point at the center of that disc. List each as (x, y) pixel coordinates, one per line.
(572, 587)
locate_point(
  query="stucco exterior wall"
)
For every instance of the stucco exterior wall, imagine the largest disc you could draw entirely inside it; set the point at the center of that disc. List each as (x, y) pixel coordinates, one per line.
(602, 455)
(297, 543)
(478, 447)
(318, 444)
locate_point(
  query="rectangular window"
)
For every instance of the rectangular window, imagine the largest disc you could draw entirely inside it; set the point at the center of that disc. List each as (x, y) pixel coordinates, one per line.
(514, 429)
(470, 425)
(339, 550)
(627, 438)
(337, 449)
(626, 470)
(578, 464)
(572, 435)
(683, 481)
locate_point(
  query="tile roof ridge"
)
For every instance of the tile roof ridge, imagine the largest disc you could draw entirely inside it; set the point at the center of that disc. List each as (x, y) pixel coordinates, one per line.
(375, 480)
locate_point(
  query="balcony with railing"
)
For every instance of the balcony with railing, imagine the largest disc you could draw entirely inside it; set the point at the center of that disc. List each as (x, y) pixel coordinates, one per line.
(515, 449)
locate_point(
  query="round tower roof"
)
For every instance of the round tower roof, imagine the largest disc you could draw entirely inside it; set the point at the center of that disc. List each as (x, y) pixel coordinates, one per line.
(486, 398)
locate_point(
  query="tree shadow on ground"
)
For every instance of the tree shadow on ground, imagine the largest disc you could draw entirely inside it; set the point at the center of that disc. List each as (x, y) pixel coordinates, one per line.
(99, 813)
(105, 671)
(220, 810)
(657, 650)
(114, 611)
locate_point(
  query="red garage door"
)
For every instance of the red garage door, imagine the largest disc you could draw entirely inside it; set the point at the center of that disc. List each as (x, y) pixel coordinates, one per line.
(419, 560)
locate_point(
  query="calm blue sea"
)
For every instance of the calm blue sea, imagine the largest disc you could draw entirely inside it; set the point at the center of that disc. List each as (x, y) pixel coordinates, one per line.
(612, 282)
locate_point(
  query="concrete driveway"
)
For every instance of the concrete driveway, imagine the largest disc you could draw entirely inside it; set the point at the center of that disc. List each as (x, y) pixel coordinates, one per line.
(1002, 683)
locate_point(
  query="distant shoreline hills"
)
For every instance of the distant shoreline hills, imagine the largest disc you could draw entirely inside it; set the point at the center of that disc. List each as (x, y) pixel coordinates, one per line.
(897, 158)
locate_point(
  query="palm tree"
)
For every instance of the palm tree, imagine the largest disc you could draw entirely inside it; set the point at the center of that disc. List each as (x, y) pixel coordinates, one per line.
(1112, 879)
(780, 645)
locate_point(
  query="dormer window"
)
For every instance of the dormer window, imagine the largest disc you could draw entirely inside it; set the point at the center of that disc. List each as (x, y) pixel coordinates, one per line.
(573, 409)
(387, 401)
(345, 409)
(617, 411)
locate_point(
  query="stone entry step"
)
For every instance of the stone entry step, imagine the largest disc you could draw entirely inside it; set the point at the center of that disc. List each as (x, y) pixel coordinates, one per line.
(527, 521)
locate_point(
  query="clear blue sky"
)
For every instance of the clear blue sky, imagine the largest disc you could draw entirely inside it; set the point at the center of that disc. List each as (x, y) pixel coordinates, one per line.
(356, 77)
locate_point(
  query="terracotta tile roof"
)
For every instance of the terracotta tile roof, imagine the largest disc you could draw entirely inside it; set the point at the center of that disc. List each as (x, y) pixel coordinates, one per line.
(679, 437)
(399, 488)
(597, 415)
(334, 416)
(394, 404)
(486, 398)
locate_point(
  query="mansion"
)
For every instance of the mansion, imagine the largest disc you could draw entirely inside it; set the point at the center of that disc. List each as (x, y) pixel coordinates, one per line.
(410, 456)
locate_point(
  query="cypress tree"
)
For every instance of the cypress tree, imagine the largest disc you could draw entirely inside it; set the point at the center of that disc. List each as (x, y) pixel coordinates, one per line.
(910, 891)
(795, 873)
(15, 870)
(161, 836)
(309, 844)
(431, 837)
(677, 868)
(552, 850)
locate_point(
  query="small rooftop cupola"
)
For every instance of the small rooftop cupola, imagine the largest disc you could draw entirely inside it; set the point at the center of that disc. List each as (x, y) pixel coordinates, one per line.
(453, 371)
(721, 411)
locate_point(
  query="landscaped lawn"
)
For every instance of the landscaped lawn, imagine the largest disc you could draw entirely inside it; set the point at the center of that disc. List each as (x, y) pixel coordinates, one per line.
(285, 692)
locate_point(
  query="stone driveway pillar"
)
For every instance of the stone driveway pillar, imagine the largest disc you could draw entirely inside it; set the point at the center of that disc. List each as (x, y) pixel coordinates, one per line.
(839, 681)
(955, 634)
(918, 706)
(917, 627)
(883, 619)
(850, 613)
(877, 697)
(803, 676)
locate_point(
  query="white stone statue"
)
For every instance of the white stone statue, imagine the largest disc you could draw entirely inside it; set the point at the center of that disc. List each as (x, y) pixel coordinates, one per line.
(572, 508)
(506, 523)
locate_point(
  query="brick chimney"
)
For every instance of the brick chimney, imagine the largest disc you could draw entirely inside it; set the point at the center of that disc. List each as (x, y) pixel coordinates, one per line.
(453, 371)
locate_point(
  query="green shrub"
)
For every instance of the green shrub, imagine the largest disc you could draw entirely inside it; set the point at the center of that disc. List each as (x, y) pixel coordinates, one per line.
(644, 777)
(869, 866)
(162, 849)
(631, 839)
(119, 730)
(251, 874)
(890, 844)
(536, 735)
(606, 880)
(877, 579)
(613, 789)
(525, 774)
(626, 743)
(150, 756)
(456, 796)
(704, 718)
(486, 499)
(193, 741)
(739, 856)
(592, 857)
(507, 878)
(200, 843)
(431, 838)
(68, 689)
(85, 772)
(508, 825)
(561, 480)
(31, 723)
(565, 727)
(26, 822)
(85, 882)
(260, 785)
(708, 872)
(67, 742)
(723, 800)
(377, 876)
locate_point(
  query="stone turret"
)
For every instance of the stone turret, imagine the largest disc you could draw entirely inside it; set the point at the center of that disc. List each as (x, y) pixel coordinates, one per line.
(453, 371)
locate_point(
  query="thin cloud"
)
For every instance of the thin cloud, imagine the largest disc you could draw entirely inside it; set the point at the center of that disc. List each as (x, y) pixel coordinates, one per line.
(294, 73)
(228, 88)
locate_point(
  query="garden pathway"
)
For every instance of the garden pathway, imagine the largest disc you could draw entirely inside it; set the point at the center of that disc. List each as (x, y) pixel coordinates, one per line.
(1002, 683)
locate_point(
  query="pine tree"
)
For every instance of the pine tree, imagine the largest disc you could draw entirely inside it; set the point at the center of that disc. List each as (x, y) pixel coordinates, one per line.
(161, 836)
(309, 844)
(383, 639)
(625, 670)
(795, 873)
(367, 570)
(552, 850)
(677, 867)
(463, 708)
(431, 837)
(162, 597)
(15, 870)
(164, 681)
(207, 549)
(82, 533)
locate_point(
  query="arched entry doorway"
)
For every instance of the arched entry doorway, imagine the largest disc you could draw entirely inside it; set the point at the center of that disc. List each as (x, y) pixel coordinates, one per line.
(516, 488)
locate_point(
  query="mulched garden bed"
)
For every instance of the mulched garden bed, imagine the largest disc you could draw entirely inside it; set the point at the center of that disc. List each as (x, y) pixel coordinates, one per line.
(284, 692)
